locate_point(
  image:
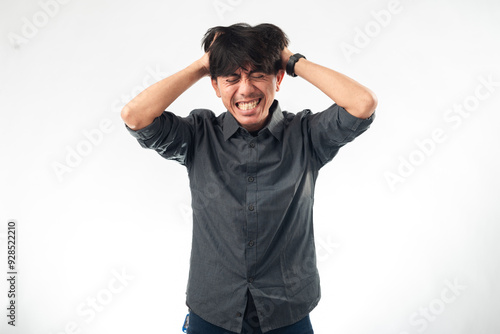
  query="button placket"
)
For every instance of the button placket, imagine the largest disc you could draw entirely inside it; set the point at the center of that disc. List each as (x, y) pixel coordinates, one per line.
(252, 210)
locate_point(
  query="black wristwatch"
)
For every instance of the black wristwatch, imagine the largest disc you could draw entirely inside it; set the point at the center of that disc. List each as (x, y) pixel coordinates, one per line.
(290, 66)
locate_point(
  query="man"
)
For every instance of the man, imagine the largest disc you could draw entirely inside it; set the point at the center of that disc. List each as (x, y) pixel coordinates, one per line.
(252, 172)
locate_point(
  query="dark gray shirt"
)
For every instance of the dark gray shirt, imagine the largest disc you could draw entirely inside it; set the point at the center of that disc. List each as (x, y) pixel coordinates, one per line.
(252, 199)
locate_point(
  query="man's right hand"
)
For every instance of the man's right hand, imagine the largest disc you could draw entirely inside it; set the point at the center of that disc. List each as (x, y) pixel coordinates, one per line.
(205, 62)
(150, 103)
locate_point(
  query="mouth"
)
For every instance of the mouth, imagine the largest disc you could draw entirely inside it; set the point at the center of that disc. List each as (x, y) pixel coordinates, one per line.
(248, 105)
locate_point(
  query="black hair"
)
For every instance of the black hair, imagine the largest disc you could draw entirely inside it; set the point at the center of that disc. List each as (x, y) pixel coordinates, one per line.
(241, 45)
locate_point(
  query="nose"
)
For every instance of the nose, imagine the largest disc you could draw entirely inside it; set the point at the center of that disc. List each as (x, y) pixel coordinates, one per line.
(246, 87)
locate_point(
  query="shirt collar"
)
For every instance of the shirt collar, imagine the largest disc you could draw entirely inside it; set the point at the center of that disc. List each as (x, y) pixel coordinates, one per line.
(275, 125)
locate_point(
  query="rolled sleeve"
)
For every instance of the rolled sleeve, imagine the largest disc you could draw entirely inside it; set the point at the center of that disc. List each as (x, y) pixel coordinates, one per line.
(144, 134)
(333, 128)
(354, 123)
(168, 134)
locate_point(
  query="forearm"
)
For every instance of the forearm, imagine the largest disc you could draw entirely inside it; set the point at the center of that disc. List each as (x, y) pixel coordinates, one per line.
(358, 100)
(150, 103)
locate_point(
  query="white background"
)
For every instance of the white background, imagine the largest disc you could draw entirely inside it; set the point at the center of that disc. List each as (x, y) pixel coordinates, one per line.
(387, 250)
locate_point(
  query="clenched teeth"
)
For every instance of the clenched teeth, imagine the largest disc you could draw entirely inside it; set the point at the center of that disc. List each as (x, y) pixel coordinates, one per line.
(247, 106)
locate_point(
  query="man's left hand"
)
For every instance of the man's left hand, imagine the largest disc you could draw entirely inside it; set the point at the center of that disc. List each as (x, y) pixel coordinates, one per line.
(285, 56)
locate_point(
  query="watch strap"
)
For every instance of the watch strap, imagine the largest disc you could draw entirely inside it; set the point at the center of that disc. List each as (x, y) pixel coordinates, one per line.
(290, 66)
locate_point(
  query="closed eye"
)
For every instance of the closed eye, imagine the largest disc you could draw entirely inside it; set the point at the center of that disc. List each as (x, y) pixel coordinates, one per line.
(258, 76)
(233, 79)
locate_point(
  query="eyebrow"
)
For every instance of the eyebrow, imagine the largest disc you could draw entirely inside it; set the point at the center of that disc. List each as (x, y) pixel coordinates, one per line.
(249, 73)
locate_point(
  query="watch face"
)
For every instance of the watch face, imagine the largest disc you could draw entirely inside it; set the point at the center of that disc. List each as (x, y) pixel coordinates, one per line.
(298, 56)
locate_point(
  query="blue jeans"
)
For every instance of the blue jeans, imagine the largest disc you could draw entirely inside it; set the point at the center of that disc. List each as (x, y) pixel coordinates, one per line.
(199, 326)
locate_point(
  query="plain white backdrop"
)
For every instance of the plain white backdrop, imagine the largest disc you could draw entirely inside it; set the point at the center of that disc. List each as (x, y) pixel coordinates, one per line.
(406, 216)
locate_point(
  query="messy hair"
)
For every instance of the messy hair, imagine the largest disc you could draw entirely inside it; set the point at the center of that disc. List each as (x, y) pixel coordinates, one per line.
(241, 45)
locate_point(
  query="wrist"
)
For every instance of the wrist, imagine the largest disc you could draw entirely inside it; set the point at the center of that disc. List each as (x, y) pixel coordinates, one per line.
(200, 68)
(203, 64)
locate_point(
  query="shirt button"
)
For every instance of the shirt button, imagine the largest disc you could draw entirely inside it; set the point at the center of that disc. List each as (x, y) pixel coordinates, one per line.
(251, 207)
(250, 280)
(252, 145)
(251, 243)
(251, 179)
(238, 314)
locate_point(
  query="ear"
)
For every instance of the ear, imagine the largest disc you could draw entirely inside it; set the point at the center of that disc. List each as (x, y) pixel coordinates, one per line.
(279, 79)
(215, 85)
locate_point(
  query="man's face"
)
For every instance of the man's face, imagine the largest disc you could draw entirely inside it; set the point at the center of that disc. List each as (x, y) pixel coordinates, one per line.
(248, 95)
